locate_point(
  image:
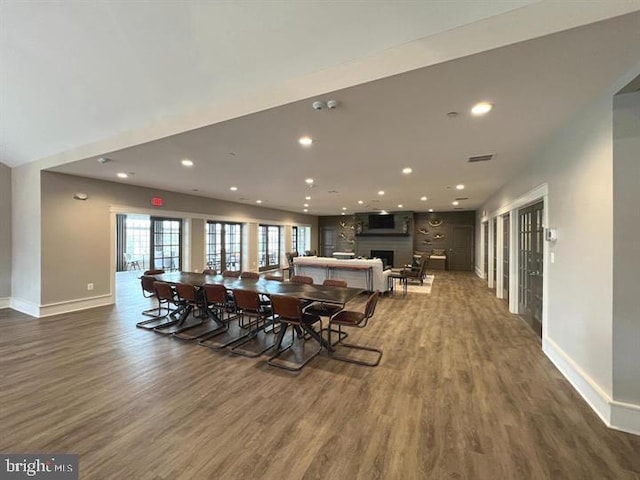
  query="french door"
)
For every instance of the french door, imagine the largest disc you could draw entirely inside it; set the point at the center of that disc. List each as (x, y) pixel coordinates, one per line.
(268, 247)
(166, 243)
(505, 257)
(530, 252)
(224, 246)
(485, 239)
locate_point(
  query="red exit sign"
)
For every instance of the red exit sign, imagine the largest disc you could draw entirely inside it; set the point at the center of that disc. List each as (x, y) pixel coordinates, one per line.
(157, 201)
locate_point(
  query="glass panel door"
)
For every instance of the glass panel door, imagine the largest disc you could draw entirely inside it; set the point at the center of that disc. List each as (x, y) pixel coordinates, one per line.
(268, 247)
(530, 252)
(505, 257)
(166, 243)
(224, 246)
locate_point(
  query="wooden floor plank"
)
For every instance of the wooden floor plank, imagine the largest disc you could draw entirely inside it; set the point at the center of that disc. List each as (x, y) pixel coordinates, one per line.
(463, 391)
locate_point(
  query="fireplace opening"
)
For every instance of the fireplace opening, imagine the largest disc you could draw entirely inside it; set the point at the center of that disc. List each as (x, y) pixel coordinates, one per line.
(385, 255)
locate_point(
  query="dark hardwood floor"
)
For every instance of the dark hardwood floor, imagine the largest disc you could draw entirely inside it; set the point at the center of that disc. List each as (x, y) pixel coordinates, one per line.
(463, 391)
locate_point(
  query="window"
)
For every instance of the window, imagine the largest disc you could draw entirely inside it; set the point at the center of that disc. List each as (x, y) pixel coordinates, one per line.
(224, 246)
(294, 239)
(268, 247)
(166, 243)
(301, 239)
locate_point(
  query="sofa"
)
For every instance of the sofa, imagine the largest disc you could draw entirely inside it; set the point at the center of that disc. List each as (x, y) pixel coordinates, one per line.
(367, 274)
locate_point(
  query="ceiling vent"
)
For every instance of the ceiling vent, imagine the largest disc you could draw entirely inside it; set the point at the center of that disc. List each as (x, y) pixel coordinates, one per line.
(481, 158)
(462, 198)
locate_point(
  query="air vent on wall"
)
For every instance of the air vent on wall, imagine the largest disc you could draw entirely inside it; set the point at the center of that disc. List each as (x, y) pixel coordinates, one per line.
(462, 198)
(481, 158)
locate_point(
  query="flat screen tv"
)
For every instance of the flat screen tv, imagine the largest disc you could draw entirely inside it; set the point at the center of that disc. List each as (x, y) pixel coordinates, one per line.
(381, 221)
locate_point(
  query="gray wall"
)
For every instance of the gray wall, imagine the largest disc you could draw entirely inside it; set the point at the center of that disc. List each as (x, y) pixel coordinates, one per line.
(626, 248)
(5, 231)
(577, 165)
(76, 241)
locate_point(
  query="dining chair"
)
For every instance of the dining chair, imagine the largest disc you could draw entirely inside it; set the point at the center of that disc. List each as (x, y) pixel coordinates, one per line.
(352, 318)
(248, 305)
(190, 303)
(231, 274)
(209, 271)
(167, 298)
(217, 303)
(288, 312)
(301, 279)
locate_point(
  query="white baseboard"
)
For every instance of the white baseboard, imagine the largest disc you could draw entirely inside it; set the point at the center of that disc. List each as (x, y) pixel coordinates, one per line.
(75, 305)
(58, 308)
(5, 302)
(618, 415)
(25, 306)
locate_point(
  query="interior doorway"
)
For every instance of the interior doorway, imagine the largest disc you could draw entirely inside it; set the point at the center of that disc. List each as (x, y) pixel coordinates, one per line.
(327, 241)
(530, 265)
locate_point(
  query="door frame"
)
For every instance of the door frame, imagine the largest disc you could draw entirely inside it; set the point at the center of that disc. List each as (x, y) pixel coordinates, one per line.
(535, 195)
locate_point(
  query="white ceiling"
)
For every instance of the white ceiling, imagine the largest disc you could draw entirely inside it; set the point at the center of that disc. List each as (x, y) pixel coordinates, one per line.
(74, 74)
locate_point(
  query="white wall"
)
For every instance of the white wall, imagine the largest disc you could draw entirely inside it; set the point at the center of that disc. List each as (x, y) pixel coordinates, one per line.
(626, 249)
(577, 165)
(25, 237)
(5, 235)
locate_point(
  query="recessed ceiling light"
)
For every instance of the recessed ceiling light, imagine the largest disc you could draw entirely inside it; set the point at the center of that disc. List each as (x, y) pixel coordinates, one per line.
(407, 170)
(258, 201)
(383, 212)
(431, 209)
(306, 210)
(307, 197)
(187, 163)
(424, 199)
(343, 213)
(309, 181)
(481, 108)
(306, 205)
(460, 187)
(455, 202)
(381, 192)
(360, 202)
(305, 141)
(344, 208)
(233, 189)
(400, 206)
(122, 175)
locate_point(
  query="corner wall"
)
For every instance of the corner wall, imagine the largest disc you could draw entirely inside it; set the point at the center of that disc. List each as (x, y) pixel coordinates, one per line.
(5, 235)
(626, 250)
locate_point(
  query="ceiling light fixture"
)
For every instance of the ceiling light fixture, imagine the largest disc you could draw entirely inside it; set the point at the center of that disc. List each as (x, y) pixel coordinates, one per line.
(305, 210)
(187, 163)
(481, 108)
(307, 197)
(460, 187)
(424, 199)
(381, 192)
(122, 175)
(431, 209)
(455, 203)
(343, 213)
(305, 141)
(258, 201)
(407, 170)
(400, 206)
(103, 160)
(360, 202)
(344, 208)
(306, 205)
(233, 189)
(309, 181)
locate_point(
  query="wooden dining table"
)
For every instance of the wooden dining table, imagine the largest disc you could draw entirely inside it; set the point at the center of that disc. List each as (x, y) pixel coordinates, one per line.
(317, 293)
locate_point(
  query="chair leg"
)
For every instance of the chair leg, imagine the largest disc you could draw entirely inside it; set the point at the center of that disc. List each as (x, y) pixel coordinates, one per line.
(254, 337)
(333, 354)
